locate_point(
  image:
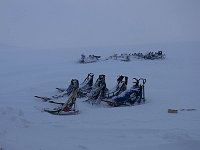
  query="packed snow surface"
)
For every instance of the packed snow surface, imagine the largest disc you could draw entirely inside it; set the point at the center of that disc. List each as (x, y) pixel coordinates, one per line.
(171, 83)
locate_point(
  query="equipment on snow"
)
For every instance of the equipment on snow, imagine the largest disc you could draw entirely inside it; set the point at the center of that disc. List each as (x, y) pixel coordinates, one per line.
(121, 86)
(43, 98)
(63, 92)
(98, 90)
(60, 89)
(131, 96)
(156, 55)
(86, 86)
(89, 59)
(58, 112)
(70, 106)
(147, 56)
(60, 103)
(177, 110)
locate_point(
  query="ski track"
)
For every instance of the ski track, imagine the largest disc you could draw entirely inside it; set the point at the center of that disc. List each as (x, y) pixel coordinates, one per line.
(171, 83)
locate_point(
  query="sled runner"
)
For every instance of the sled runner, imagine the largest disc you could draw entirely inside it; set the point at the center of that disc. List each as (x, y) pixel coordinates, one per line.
(60, 103)
(60, 89)
(60, 112)
(147, 56)
(43, 98)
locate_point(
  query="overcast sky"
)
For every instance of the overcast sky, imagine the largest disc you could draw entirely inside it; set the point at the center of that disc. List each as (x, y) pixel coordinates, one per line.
(83, 23)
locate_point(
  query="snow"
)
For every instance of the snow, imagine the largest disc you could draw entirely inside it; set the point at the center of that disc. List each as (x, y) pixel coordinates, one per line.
(171, 83)
(40, 44)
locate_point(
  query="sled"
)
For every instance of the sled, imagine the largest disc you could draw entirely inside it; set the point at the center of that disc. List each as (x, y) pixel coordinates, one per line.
(89, 59)
(119, 87)
(172, 111)
(60, 103)
(60, 112)
(177, 110)
(44, 98)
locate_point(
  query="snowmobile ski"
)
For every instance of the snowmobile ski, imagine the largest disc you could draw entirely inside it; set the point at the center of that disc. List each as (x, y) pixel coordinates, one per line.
(56, 102)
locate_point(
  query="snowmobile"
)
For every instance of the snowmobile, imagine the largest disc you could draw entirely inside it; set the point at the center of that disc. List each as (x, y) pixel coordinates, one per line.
(131, 96)
(69, 107)
(98, 90)
(121, 86)
(89, 59)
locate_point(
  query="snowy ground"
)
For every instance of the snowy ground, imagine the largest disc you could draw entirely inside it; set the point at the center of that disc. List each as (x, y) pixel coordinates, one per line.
(171, 83)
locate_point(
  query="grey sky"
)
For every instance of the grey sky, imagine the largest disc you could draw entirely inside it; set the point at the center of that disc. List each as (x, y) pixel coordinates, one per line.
(77, 23)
